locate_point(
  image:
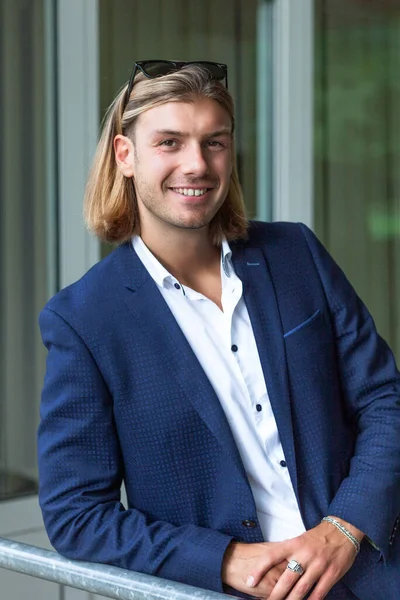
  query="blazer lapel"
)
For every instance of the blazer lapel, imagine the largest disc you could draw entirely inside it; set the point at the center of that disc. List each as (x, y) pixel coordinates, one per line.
(153, 314)
(259, 294)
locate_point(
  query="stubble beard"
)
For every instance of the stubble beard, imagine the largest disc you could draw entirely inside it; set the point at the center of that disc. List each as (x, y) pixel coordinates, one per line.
(152, 201)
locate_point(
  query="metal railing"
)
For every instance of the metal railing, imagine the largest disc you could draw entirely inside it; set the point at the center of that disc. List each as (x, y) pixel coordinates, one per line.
(105, 580)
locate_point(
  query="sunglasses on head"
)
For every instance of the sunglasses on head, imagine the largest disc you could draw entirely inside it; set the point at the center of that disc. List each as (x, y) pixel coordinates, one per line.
(158, 68)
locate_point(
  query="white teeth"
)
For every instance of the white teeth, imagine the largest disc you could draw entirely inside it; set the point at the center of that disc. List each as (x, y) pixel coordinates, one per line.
(190, 191)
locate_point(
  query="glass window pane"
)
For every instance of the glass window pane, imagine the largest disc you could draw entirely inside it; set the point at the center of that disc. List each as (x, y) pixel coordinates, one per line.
(357, 148)
(23, 239)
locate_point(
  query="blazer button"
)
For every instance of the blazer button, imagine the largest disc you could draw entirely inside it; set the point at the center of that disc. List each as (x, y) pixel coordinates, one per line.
(248, 523)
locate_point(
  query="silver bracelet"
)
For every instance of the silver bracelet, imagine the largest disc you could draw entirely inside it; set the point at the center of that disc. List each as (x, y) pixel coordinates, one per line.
(345, 531)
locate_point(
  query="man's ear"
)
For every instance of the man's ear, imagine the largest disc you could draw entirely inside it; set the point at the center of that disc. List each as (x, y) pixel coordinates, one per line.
(124, 155)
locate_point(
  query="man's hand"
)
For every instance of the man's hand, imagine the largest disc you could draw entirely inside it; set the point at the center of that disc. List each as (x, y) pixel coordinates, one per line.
(240, 560)
(324, 553)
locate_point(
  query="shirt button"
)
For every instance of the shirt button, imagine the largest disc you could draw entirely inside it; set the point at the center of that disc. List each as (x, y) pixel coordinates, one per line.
(234, 348)
(258, 407)
(178, 287)
(283, 463)
(249, 523)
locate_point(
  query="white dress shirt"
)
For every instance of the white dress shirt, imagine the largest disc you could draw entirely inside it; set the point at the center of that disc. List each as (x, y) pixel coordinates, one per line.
(224, 344)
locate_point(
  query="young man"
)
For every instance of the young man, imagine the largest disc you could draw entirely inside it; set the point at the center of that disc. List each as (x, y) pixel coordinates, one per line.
(225, 371)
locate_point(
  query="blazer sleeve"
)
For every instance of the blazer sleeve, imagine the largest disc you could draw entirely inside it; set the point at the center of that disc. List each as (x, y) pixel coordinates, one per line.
(81, 472)
(369, 497)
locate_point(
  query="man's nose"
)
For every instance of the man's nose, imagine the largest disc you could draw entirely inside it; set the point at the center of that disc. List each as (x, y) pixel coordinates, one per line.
(194, 161)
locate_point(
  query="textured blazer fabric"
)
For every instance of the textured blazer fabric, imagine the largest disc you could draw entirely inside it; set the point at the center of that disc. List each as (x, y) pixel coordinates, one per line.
(125, 399)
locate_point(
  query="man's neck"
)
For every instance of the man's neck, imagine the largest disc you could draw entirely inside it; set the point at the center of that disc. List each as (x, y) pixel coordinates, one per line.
(187, 254)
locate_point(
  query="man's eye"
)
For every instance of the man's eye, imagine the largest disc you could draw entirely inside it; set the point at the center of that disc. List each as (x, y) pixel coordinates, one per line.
(168, 143)
(215, 144)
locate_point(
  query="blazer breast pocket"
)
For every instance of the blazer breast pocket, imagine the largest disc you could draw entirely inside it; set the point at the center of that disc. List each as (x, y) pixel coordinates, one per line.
(305, 329)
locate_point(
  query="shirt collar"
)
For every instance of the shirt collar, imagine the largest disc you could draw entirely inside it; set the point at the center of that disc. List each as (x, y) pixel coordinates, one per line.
(226, 258)
(156, 270)
(160, 274)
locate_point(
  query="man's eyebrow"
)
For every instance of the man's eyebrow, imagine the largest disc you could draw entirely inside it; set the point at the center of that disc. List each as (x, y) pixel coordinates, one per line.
(170, 132)
(224, 131)
(173, 133)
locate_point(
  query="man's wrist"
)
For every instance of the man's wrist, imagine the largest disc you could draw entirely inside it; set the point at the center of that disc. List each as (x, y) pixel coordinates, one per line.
(354, 535)
(227, 561)
(353, 530)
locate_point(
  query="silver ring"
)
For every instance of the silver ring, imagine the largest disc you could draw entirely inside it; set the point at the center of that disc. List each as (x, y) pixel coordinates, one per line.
(295, 567)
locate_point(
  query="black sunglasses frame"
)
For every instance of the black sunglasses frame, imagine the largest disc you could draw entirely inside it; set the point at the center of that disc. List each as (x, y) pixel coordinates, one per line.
(176, 65)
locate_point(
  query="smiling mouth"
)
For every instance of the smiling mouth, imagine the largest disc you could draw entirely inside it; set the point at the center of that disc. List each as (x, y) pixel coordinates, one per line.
(191, 191)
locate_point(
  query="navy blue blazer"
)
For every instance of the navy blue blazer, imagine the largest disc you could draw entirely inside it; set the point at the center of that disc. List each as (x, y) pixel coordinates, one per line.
(125, 399)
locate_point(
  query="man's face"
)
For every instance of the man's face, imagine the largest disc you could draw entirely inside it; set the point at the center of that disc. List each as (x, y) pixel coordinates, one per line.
(182, 163)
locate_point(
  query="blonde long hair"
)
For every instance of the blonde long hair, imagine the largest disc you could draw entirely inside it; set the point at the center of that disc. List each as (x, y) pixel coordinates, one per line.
(110, 206)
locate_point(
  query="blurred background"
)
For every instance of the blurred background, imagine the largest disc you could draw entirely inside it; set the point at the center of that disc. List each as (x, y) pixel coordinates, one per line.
(317, 91)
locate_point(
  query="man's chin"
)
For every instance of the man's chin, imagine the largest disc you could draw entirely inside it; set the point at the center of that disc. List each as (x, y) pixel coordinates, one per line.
(192, 222)
(193, 225)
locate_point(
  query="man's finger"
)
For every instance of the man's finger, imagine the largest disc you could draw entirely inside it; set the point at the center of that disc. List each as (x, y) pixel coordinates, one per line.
(293, 586)
(273, 556)
(324, 585)
(285, 584)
